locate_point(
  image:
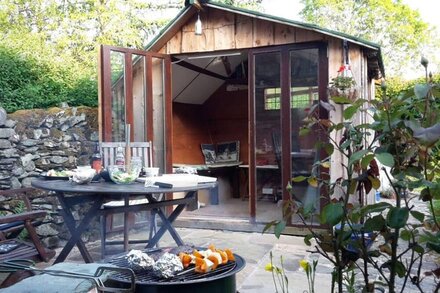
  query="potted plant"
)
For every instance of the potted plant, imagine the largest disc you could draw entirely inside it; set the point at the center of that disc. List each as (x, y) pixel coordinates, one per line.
(342, 88)
(388, 239)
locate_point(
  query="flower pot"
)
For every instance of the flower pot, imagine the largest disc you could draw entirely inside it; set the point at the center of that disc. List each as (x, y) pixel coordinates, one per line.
(356, 235)
(343, 96)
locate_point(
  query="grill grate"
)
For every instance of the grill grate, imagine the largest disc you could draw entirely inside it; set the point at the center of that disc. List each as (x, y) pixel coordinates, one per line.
(188, 275)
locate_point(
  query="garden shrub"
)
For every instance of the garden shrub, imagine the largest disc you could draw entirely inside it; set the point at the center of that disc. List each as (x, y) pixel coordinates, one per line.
(27, 82)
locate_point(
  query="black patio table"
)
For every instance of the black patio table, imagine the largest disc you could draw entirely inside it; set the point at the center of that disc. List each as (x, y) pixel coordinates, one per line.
(70, 194)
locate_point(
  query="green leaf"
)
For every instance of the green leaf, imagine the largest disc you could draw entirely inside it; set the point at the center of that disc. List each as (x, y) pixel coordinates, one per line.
(425, 194)
(376, 223)
(307, 239)
(419, 249)
(355, 216)
(433, 246)
(365, 162)
(339, 126)
(374, 253)
(375, 208)
(329, 148)
(309, 208)
(397, 217)
(400, 269)
(418, 215)
(375, 182)
(299, 179)
(421, 90)
(340, 100)
(385, 159)
(269, 225)
(350, 111)
(279, 228)
(304, 131)
(326, 164)
(313, 181)
(332, 213)
(357, 156)
(352, 187)
(405, 235)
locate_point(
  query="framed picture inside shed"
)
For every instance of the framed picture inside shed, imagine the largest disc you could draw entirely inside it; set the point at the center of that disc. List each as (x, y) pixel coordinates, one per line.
(224, 152)
(208, 151)
(228, 152)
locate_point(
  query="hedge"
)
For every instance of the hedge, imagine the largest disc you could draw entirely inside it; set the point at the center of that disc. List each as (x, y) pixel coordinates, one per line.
(27, 82)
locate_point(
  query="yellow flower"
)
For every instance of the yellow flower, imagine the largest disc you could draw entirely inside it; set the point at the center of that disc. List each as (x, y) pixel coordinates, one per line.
(269, 267)
(304, 264)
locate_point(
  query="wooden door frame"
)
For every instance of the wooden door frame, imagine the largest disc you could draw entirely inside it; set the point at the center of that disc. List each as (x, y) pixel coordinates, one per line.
(105, 107)
(285, 114)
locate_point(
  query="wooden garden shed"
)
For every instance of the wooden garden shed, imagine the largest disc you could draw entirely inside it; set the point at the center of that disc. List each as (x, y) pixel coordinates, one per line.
(239, 83)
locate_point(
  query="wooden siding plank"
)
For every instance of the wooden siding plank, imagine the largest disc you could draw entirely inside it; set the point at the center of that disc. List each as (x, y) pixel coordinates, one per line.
(190, 42)
(263, 33)
(174, 45)
(355, 59)
(197, 43)
(223, 26)
(334, 56)
(284, 34)
(225, 30)
(303, 35)
(207, 39)
(243, 31)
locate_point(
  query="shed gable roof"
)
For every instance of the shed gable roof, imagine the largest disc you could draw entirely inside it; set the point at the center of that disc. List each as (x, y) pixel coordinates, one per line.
(192, 7)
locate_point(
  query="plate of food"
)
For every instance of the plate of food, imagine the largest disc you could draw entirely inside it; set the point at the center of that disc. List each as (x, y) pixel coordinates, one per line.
(57, 174)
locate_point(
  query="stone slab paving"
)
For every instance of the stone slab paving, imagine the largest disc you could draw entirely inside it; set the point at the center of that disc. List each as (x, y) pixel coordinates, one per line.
(255, 248)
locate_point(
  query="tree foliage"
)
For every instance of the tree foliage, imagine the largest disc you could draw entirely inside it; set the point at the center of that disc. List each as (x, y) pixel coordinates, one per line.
(400, 31)
(49, 49)
(27, 82)
(390, 239)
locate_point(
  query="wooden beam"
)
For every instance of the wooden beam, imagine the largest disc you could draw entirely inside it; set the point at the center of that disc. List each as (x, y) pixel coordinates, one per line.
(193, 67)
(227, 65)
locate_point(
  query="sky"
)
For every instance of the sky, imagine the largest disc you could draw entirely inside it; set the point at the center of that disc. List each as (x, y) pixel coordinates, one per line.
(290, 9)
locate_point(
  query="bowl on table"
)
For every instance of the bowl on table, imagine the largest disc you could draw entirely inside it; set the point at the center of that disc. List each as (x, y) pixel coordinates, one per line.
(83, 176)
(123, 174)
(150, 175)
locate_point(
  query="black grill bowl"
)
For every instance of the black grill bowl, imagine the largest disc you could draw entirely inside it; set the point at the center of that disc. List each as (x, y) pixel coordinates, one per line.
(220, 280)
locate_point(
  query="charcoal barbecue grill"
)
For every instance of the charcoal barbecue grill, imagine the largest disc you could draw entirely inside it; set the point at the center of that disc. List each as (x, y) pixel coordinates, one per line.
(220, 280)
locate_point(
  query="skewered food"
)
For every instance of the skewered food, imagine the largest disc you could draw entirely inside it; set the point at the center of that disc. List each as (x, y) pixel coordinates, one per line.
(206, 260)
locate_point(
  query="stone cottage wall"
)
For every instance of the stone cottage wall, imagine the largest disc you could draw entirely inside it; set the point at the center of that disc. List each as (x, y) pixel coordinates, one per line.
(34, 141)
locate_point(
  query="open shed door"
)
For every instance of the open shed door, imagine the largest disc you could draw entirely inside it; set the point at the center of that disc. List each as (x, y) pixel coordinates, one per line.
(135, 89)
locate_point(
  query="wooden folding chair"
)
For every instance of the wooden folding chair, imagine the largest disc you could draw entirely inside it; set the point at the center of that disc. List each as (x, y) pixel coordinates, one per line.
(11, 225)
(142, 150)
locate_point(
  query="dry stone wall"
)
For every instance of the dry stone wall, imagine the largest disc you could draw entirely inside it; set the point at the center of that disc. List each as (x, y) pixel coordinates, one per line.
(34, 141)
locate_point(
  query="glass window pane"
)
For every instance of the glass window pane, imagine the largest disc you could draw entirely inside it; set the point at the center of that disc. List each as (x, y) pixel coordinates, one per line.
(268, 125)
(304, 93)
(139, 98)
(117, 65)
(158, 113)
